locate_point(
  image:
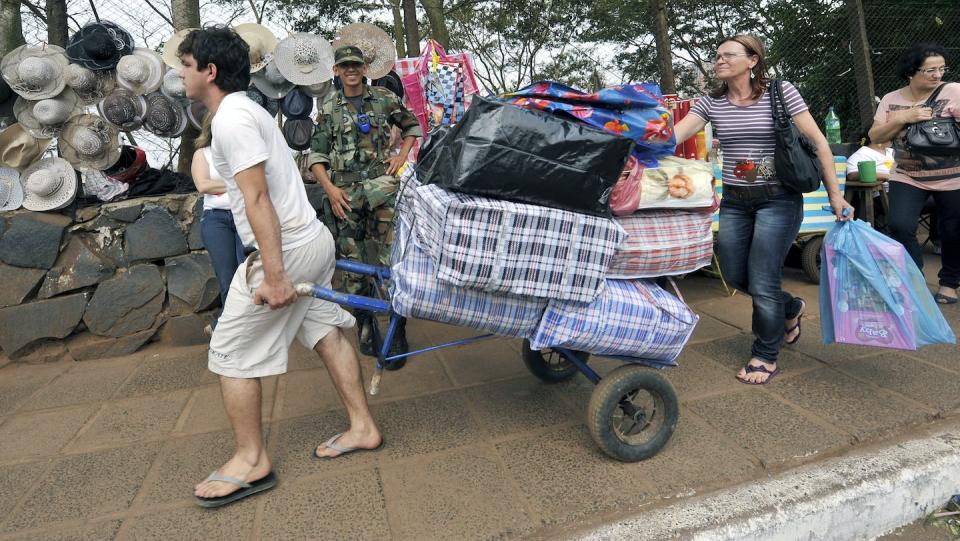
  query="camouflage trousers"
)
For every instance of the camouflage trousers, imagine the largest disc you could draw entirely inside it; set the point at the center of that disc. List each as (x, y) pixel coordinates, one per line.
(366, 234)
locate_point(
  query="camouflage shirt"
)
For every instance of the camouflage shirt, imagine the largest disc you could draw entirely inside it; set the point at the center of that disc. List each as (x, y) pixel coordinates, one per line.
(337, 140)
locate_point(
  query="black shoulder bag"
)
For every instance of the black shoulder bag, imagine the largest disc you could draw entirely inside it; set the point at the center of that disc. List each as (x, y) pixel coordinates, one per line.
(795, 158)
(934, 137)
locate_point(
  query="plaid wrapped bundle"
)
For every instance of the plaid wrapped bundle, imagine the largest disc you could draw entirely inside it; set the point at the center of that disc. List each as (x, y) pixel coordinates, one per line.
(632, 318)
(416, 292)
(663, 243)
(504, 247)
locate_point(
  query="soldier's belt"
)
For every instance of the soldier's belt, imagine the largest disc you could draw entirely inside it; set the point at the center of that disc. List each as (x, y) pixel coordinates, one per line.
(352, 177)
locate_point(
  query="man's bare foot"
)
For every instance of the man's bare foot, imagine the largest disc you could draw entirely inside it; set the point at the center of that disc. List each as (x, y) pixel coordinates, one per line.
(352, 439)
(757, 377)
(238, 468)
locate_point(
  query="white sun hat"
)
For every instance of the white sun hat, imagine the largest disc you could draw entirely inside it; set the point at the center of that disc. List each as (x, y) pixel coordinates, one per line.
(140, 72)
(49, 184)
(11, 191)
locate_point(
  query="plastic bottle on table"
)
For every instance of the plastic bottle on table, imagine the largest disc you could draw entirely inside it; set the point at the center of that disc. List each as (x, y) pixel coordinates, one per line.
(833, 127)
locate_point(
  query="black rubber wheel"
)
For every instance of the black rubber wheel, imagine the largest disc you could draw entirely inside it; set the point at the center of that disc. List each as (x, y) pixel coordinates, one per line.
(810, 258)
(632, 413)
(550, 366)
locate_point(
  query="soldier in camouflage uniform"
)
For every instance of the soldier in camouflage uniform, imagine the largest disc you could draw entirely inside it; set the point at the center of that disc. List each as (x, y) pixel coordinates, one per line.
(350, 157)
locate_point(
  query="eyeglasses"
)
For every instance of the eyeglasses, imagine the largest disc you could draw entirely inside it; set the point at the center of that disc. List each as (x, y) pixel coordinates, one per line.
(726, 57)
(934, 71)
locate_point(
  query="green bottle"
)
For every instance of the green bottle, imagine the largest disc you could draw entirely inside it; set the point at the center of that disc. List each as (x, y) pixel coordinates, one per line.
(833, 127)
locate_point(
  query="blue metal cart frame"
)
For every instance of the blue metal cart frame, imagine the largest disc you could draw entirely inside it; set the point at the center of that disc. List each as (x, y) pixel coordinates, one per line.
(617, 415)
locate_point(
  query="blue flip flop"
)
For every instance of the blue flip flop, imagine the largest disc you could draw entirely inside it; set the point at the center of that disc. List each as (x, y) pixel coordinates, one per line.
(244, 489)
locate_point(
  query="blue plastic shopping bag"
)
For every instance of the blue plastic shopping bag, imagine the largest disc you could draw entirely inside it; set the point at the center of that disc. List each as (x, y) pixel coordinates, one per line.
(873, 294)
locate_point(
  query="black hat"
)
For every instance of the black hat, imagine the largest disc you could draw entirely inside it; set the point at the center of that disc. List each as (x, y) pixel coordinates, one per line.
(7, 97)
(272, 106)
(298, 132)
(391, 82)
(99, 46)
(296, 104)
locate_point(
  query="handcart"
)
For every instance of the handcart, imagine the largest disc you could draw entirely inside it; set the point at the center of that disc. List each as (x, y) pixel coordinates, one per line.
(816, 222)
(632, 413)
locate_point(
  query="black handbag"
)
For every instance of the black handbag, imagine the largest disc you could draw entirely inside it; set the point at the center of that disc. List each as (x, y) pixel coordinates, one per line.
(795, 159)
(934, 137)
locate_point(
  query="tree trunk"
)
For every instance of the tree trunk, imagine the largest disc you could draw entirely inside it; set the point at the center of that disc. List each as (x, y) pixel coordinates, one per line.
(11, 29)
(438, 23)
(398, 28)
(411, 27)
(57, 22)
(186, 14)
(664, 54)
(862, 62)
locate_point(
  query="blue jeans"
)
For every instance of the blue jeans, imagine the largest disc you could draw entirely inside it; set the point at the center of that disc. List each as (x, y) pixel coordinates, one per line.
(906, 203)
(754, 238)
(226, 251)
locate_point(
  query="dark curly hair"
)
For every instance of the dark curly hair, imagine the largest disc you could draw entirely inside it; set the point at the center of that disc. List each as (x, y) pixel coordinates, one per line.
(224, 48)
(910, 62)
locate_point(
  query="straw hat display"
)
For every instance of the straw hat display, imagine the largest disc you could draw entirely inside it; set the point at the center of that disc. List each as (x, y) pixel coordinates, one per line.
(318, 91)
(172, 87)
(44, 118)
(19, 149)
(35, 73)
(11, 191)
(89, 142)
(170, 57)
(271, 82)
(261, 41)
(378, 49)
(195, 113)
(140, 72)
(123, 109)
(99, 46)
(90, 86)
(164, 117)
(304, 59)
(49, 184)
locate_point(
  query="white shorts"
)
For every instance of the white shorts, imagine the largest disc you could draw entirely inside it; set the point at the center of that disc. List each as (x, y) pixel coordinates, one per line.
(252, 341)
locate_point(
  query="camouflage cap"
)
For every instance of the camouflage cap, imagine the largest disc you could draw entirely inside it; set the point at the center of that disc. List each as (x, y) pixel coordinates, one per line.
(348, 53)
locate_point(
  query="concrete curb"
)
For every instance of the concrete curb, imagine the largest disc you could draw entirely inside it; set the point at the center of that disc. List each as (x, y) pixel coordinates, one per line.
(860, 496)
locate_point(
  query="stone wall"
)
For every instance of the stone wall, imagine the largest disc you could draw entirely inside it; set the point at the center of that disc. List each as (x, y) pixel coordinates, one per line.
(106, 282)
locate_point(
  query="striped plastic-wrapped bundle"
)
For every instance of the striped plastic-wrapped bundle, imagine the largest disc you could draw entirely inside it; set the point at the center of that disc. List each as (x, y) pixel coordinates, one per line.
(663, 243)
(520, 249)
(632, 318)
(416, 292)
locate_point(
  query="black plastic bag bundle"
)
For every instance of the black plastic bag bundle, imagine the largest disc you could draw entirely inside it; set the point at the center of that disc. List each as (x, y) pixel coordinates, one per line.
(508, 152)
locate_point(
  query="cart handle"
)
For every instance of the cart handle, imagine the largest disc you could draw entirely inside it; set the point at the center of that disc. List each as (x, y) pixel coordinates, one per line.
(362, 268)
(357, 302)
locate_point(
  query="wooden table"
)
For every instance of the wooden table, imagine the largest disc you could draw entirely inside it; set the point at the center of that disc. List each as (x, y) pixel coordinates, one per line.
(864, 192)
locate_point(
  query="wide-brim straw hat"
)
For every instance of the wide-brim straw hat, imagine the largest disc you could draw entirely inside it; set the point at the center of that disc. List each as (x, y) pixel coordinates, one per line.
(123, 109)
(35, 73)
(49, 184)
(304, 59)
(141, 72)
(195, 113)
(272, 106)
(19, 149)
(90, 86)
(44, 118)
(271, 82)
(378, 48)
(172, 87)
(318, 91)
(261, 41)
(11, 191)
(99, 46)
(165, 117)
(169, 56)
(89, 142)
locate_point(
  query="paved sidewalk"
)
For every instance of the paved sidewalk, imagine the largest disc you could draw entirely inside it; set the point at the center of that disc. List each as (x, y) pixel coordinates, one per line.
(476, 447)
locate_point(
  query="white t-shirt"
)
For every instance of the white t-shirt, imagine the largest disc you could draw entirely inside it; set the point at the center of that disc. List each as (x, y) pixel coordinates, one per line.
(869, 154)
(244, 134)
(211, 201)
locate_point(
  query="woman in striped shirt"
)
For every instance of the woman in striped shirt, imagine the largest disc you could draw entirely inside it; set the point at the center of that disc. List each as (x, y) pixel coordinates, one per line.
(759, 217)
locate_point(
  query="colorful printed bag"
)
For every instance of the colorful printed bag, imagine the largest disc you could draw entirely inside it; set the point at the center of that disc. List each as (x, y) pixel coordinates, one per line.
(632, 318)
